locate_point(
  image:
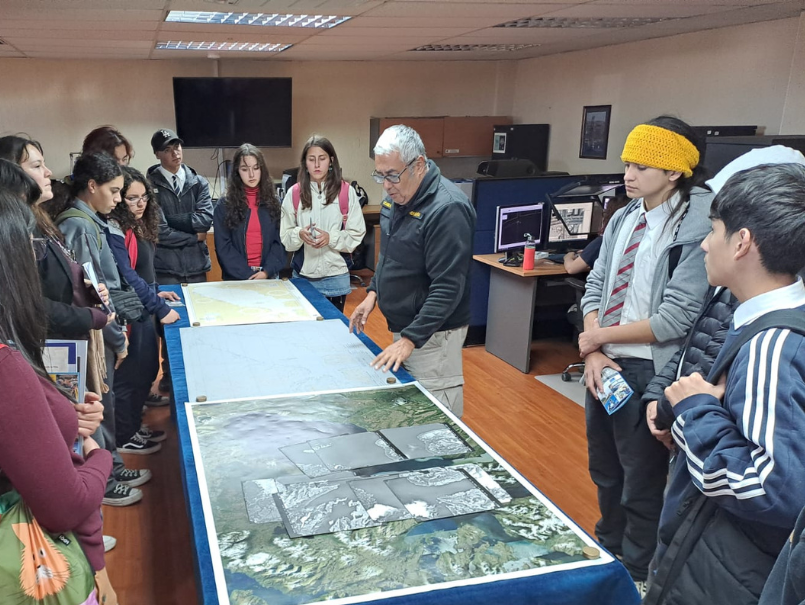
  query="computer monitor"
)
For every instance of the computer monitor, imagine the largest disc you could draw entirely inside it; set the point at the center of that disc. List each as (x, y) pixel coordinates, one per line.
(513, 222)
(576, 224)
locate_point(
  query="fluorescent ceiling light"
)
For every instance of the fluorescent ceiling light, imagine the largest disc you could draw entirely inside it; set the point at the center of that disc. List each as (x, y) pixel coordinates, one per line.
(257, 47)
(472, 47)
(264, 19)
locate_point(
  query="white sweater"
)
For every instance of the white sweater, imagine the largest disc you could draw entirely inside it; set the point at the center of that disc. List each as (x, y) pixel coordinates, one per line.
(326, 261)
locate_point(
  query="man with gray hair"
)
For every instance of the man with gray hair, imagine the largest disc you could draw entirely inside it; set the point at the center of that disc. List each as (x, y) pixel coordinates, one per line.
(421, 281)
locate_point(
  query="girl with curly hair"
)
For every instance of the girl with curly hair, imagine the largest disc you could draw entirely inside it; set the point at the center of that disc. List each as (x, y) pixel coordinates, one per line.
(134, 225)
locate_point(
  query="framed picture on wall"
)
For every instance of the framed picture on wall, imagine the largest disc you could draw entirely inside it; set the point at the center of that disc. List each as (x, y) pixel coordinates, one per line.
(595, 132)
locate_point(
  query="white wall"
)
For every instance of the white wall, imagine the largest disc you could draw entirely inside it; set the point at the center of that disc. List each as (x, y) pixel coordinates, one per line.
(58, 102)
(751, 74)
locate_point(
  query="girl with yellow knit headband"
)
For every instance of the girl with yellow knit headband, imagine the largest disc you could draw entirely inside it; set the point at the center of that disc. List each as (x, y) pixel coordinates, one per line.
(642, 297)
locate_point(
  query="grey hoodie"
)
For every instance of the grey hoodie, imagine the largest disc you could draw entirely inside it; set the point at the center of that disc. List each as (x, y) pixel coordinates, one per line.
(675, 302)
(82, 238)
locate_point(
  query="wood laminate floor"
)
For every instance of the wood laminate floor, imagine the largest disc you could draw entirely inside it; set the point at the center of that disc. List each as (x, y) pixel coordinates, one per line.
(540, 432)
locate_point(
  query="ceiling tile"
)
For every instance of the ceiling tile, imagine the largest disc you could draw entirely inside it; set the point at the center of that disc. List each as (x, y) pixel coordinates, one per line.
(394, 32)
(121, 16)
(26, 44)
(67, 37)
(534, 35)
(77, 26)
(286, 35)
(603, 9)
(47, 6)
(429, 23)
(425, 10)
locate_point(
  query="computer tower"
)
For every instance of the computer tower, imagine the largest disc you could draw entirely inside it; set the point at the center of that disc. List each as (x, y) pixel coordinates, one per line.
(524, 142)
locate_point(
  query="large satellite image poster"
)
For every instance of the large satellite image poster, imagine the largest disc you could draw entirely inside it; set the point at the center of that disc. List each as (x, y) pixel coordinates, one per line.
(457, 514)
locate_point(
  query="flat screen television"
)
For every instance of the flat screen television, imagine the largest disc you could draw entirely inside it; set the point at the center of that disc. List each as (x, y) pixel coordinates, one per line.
(513, 222)
(227, 112)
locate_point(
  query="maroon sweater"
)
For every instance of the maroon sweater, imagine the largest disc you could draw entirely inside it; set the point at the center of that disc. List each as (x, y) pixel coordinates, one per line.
(38, 427)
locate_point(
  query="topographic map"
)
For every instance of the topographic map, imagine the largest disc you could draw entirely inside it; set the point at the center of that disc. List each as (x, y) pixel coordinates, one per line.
(232, 362)
(237, 448)
(246, 302)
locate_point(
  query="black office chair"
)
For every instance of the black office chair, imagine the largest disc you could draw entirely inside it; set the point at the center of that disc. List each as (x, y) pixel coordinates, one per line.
(576, 318)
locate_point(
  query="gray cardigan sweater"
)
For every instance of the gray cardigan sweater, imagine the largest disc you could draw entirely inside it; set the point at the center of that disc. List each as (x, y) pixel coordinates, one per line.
(675, 301)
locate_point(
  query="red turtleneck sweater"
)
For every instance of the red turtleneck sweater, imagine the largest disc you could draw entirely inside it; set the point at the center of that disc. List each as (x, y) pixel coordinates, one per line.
(254, 235)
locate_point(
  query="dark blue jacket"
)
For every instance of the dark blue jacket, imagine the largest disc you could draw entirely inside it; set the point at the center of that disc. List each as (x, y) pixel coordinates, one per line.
(748, 457)
(145, 292)
(230, 244)
(786, 584)
(179, 252)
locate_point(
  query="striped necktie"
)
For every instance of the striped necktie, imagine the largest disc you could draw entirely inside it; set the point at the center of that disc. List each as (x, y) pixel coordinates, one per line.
(176, 184)
(612, 315)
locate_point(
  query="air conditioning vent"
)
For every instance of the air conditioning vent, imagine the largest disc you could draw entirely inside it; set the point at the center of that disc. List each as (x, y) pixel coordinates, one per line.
(584, 23)
(472, 47)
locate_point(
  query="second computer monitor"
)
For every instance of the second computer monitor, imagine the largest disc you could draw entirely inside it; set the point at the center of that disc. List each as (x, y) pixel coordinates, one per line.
(578, 222)
(513, 222)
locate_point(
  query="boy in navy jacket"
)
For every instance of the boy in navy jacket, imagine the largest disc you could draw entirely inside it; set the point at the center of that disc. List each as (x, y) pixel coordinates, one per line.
(739, 441)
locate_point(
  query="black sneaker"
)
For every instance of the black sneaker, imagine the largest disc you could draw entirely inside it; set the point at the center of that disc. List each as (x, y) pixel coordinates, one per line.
(149, 434)
(155, 400)
(138, 445)
(122, 495)
(133, 477)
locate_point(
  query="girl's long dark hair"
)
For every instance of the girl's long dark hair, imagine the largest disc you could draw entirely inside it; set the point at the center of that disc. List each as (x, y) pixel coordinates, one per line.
(332, 183)
(684, 184)
(15, 180)
(236, 204)
(147, 228)
(14, 148)
(22, 310)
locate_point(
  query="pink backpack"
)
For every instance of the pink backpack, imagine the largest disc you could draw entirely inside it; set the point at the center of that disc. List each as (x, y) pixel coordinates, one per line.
(343, 201)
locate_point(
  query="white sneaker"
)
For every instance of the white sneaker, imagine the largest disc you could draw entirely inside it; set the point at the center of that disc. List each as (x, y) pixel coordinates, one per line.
(109, 543)
(642, 588)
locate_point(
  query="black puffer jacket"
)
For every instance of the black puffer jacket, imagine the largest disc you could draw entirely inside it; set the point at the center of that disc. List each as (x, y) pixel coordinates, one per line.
(700, 351)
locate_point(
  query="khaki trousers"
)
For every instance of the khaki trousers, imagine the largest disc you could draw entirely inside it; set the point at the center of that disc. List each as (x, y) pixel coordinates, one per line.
(437, 366)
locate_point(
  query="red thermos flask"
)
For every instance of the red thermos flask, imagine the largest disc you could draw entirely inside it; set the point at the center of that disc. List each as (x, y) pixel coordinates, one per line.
(528, 253)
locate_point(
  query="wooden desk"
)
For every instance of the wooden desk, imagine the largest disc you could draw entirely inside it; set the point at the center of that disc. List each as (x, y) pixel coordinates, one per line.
(371, 214)
(510, 318)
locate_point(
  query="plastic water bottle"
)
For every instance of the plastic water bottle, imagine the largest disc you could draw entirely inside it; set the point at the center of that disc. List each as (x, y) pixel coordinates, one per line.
(616, 391)
(528, 253)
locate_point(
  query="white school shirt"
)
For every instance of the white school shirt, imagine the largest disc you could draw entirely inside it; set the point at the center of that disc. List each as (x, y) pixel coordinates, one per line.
(787, 297)
(637, 305)
(182, 177)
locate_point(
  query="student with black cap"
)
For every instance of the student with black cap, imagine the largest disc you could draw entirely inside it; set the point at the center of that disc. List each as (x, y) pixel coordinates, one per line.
(184, 197)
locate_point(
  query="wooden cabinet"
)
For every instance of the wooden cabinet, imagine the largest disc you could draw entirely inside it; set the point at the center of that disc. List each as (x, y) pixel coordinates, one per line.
(470, 136)
(445, 136)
